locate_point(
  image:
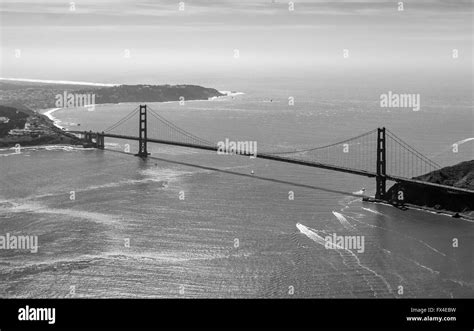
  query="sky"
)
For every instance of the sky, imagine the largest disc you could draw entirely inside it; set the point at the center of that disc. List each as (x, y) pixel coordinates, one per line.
(122, 41)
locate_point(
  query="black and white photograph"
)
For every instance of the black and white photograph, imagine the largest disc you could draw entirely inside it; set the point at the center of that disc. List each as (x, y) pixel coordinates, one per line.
(309, 150)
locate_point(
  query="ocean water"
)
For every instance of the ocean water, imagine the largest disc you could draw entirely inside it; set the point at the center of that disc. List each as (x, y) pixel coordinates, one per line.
(189, 223)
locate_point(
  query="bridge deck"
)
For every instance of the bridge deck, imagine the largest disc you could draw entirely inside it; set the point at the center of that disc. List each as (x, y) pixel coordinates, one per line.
(295, 161)
(261, 155)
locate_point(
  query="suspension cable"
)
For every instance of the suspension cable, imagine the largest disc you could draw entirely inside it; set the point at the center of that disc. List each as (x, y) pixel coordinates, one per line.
(182, 131)
(326, 146)
(123, 120)
(173, 127)
(413, 150)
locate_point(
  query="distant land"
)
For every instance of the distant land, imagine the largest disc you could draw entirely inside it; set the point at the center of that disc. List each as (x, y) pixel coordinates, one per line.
(19, 101)
(460, 175)
(44, 95)
(151, 93)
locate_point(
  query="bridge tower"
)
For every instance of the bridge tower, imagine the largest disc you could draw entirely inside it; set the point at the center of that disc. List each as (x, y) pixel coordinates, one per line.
(142, 137)
(88, 137)
(381, 165)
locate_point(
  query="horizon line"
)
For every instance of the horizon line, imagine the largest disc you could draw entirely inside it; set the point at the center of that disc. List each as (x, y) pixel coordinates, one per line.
(49, 81)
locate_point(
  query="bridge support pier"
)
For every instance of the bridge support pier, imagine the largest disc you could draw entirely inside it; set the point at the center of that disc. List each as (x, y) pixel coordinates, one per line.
(142, 130)
(380, 192)
(100, 140)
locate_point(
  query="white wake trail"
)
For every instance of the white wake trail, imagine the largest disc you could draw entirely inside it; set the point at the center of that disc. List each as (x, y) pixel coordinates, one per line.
(372, 211)
(343, 220)
(320, 240)
(310, 234)
(460, 142)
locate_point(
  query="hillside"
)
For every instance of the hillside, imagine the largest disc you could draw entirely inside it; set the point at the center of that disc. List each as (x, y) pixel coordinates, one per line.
(33, 95)
(16, 119)
(151, 93)
(21, 125)
(44, 95)
(460, 175)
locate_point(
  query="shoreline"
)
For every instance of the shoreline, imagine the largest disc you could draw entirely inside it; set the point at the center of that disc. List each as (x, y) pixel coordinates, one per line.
(464, 217)
(48, 113)
(49, 147)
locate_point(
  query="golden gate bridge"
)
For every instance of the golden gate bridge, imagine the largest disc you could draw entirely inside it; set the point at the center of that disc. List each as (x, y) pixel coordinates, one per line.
(378, 153)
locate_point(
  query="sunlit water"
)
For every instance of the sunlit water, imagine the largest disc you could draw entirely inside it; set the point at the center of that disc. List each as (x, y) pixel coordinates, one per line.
(198, 232)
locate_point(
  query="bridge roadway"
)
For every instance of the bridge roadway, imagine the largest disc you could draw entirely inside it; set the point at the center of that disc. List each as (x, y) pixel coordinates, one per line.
(295, 161)
(259, 155)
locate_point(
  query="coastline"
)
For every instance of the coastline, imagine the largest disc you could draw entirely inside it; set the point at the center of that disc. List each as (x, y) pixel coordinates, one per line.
(228, 94)
(48, 113)
(442, 212)
(46, 147)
